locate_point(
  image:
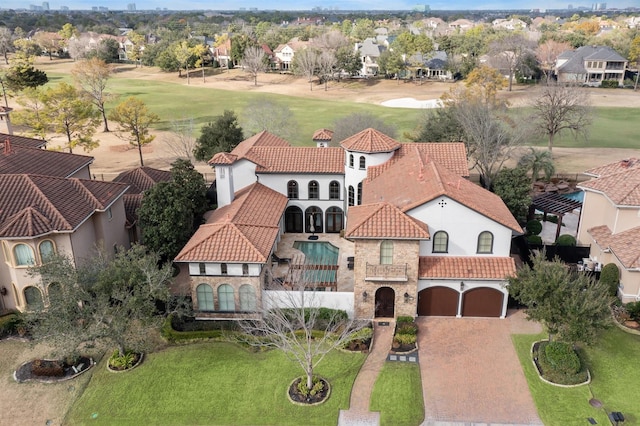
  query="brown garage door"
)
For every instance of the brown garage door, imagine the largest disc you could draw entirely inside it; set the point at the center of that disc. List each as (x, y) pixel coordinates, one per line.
(482, 302)
(438, 301)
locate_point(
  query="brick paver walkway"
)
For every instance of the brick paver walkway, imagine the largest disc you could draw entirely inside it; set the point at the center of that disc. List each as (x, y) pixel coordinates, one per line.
(471, 373)
(358, 413)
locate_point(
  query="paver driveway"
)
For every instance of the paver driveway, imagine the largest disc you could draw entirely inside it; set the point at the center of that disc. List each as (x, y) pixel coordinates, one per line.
(471, 373)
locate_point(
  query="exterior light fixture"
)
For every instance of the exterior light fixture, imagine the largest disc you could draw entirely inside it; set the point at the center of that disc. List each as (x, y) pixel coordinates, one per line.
(407, 297)
(365, 296)
(461, 285)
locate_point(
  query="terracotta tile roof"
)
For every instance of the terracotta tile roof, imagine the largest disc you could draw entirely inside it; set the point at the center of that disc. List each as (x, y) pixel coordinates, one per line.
(384, 220)
(452, 155)
(422, 180)
(17, 158)
(223, 158)
(624, 245)
(34, 205)
(244, 148)
(323, 135)
(622, 188)
(370, 141)
(473, 267)
(142, 178)
(299, 160)
(615, 167)
(243, 231)
(23, 141)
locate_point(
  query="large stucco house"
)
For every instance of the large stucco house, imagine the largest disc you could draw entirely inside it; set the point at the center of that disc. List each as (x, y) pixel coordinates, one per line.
(590, 65)
(610, 221)
(423, 239)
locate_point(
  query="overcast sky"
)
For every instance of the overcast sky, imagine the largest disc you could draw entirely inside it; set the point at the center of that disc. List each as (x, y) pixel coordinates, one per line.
(309, 4)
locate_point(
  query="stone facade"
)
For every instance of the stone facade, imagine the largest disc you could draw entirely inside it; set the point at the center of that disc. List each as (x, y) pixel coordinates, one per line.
(235, 282)
(367, 279)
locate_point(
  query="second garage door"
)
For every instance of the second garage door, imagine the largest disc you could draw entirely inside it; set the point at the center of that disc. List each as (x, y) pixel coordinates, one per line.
(482, 302)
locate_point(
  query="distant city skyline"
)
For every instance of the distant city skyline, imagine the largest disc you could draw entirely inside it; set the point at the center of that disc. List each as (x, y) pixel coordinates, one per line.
(311, 4)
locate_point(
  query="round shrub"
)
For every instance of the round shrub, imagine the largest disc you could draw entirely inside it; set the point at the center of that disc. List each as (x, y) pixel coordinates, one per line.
(610, 276)
(562, 358)
(633, 308)
(534, 239)
(566, 240)
(534, 227)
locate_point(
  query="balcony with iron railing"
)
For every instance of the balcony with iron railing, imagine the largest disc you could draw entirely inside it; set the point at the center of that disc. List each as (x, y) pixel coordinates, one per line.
(397, 273)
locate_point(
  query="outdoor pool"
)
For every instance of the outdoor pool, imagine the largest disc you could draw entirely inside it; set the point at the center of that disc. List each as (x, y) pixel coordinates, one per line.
(575, 196)
(319, 253)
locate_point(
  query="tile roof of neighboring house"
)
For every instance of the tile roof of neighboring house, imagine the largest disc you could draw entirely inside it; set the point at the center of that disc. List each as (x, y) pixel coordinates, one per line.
(370, 141)
(35, 205)
(423, 180)
(615, 167)
(23, 141)
(454, 267)
(17, 158)
(142, 179)
(452, 155)
(622, 188)
(322, 135)
(243, 149)
(624, 245)
(243, 231)
(384, 220)
(132, 203)
(576, 58)
(298, 160)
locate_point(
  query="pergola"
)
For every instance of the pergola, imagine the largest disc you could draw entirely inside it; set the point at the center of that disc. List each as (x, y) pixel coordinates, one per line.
(555, 204)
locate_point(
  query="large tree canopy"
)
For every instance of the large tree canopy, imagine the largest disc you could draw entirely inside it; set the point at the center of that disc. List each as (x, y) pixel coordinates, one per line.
(221, 135)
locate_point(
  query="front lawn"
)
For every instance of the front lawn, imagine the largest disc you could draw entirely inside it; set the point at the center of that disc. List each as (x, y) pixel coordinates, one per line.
(213, 384)
(397, 394)
(615, 377)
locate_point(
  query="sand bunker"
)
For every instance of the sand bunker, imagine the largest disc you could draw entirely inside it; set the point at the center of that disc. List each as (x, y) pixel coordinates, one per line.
(412, 103)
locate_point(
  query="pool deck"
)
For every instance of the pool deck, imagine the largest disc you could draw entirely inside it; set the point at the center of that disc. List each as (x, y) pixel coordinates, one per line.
(347, 248)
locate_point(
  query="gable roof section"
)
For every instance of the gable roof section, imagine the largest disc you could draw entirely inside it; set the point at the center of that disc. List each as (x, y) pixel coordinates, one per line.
(370, 141)
(299, 160)
(622, 188)
(384, 220)
(423, 180)
(454, 267)
(142, 179)
(624, 245)
(244, 148)
(23, 141)
(322, 135)
(18, 158)
(34, 205)
(243, 231)
(452, 155)
(615, 167)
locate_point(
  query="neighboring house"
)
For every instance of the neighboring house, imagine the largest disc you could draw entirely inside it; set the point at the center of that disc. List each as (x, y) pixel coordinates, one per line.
(42, 215)
(432, 66)
(15, 140)
(461, 25)
(16, 157)
(427, 241)
(369, 51)
(590, 65)
(222, 53)
(284, 53)
(509, 24)
(139, 180)
(610, 221)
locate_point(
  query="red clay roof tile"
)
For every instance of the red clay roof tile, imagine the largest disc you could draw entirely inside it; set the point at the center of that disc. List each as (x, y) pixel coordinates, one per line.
(384, 220)
(622, 188)
(624, 245)
(455, 267)
(370, 141)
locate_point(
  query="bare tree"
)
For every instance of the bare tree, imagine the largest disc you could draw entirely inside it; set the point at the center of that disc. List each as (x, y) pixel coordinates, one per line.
(326, 67)
(6, 43)
(270, 115)
(331, 41)
(559, 107)
(181, 140)
(511, 51)
(548, 52)
(290, 321)
(253, 62)
(305, 63)
(92, 75)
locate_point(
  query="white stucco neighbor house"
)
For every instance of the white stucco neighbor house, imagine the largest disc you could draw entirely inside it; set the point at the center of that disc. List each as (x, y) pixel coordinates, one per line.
(426, 241)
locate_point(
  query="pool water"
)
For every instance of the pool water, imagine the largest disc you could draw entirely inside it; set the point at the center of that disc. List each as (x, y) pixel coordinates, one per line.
(575, 196)
(319, 253)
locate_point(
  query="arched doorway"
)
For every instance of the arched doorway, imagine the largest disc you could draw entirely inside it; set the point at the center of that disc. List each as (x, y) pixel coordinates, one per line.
(385, 302)
(335, 221)
(313, 215)
(293, 219)
(438, 301)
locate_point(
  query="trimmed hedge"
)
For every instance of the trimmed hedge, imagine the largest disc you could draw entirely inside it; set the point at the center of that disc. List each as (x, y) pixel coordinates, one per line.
(609, 84)
(610, 276)
(9, 324)
(534, 239)
(566, 240)
(534, 227)
(561, 364)
(175, 336)
(404, 319)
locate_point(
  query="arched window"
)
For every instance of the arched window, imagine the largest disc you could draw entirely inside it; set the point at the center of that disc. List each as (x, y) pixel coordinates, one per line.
(352, 196)
(204, 294)
(360, 193)
(292, 189)
(223, 269)
(363, 163)
(23, 255)
(334, 190)
(33, 297)
(245, 269)
(335, 219)
(485, 242)
(314, 220)
(55, 292)
(440, 242)
(386, 252)
(247, 298)
(351, 160)
(46, 249)
(225, 298)
(314, 190)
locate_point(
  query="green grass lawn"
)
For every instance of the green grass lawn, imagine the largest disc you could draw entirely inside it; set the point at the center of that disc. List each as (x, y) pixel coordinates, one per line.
(397, 394)
(613, 363)
(612, 127)
(212, 384)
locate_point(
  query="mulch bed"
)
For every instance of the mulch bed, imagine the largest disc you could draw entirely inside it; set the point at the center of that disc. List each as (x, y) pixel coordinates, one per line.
(319, 397)
(24, 373)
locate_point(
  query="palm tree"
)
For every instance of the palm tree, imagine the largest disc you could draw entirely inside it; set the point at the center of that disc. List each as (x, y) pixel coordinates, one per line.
(537, 161)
